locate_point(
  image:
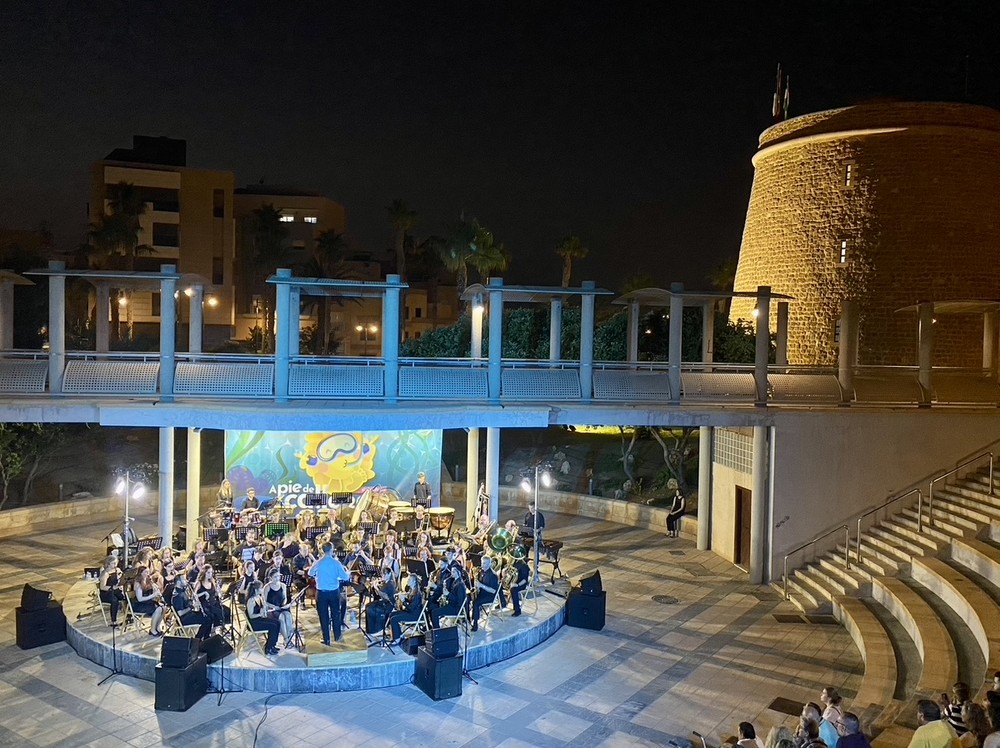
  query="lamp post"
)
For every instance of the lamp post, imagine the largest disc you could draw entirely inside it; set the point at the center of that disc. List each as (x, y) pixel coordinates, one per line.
(130, 490)
(541, 474)
(369, 329)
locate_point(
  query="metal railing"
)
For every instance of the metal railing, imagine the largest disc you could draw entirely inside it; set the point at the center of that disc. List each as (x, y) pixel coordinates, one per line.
(880, 507)
(847, 552)
(930, 485)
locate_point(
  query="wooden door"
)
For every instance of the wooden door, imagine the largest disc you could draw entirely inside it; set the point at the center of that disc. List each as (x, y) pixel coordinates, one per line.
(741, 532)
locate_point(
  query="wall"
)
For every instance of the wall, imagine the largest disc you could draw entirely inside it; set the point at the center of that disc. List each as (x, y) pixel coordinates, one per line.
(724, 483)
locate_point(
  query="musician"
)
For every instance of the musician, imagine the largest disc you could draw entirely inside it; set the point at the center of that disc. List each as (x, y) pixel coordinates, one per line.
(337, 530)
(206, 589)
(411, 606)
(426, 561)
(486, 590)
(195, 567)
(251, 501)
(420, 518)
(482, 532)
(421, 490)
(529, 522)
(391, 520)
(423, 540)
(455, 592)
(329, 573)
(300, 565)
(305, 521)
(277, 565)
(246, 580)
(148, 599)
(392, 555)
(289, 546)
(225, 494)
(108, 585)
(168, 569)
(512, 528)
(520, 585)
(279, 606)
(259, 620)
(143, 559)
(183, 606)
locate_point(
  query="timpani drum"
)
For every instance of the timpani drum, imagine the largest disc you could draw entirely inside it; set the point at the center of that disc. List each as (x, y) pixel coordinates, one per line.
(441, 519)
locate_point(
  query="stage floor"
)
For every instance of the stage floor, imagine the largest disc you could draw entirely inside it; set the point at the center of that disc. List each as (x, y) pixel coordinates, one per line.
(358, 666)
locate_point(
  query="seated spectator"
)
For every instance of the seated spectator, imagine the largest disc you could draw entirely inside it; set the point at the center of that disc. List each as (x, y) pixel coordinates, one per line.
(849, 728)
(952, 707)
(993, 695)
(993, 739)
(977, 724)
(832, 702)
(933, 731)
(827, 731)
(747, 736)
(807, 734)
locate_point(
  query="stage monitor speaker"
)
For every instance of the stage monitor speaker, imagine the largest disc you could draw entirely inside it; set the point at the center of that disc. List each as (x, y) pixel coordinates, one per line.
(178, 651)
(33, 599)
(35, 628)
(376, 616)
(586, 611)
(443, 642)
(215, 647)
(412, 643)
(438, 678)
(177, 689)
(591, 584)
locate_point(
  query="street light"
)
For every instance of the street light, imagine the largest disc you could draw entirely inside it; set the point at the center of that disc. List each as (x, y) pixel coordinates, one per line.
(368, 330)
(542, 475)
(130, 490)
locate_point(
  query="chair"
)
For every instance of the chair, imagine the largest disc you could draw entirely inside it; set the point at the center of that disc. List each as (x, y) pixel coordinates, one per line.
(246, 631)
(490, 609)
(172, 625)
(96, 602)
(133, 621)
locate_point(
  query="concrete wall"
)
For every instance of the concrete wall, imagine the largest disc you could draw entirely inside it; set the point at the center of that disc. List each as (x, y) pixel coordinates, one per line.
(724, 483)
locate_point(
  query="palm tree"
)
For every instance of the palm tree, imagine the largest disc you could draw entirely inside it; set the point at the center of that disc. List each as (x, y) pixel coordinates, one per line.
(327, 261)
(571, 248)
(264, 238)
(723, 277)
(403, 220)
(469, 244)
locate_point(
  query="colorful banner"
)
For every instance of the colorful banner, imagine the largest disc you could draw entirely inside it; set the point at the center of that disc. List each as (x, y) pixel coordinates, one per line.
(290, 465)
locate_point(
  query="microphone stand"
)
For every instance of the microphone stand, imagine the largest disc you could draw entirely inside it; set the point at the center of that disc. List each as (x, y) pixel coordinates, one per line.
(297, 639)
(115, 670)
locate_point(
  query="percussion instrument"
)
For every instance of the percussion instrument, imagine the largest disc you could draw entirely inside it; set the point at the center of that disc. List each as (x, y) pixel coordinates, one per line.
(376, 502)
(399, 505)
(441, 518)
(500, 540)
(405, 512)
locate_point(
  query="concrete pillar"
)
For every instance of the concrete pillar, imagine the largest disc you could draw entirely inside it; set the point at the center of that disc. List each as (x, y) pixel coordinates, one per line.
(496, 338)
(758, 506)
(196, 320)
(555, 329)
(763, 347)
(781, 337)
(587, 341)
(704, 487)
(632, 355)
(847, 353)
(390, 338)
(925, 352)
(478, 310)
(282, 308)
(675, 340)
(707, 334)
(991, 325)
(57, 326)
(168, 331)
(6, 315)
(493, 469)
(471, 477)
(166, 512)
(102, 316)
(193, 504)
(294, 310)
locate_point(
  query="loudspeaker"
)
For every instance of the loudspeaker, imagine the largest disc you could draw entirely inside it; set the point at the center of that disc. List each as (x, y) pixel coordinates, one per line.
(586, 611)
(177, 689)
(32, 599)
(376, 616)
(439, 678)
(591, 584)
(443, 642)
(215, 647)
(412, 643)
(178, 651)
(38, 627)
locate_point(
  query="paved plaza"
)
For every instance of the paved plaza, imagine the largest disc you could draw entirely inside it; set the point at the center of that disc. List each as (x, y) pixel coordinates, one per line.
(689, 645)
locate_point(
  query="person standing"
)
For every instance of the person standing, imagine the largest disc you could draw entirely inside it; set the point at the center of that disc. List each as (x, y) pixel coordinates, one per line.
(675, 513)
(422, 490)
(329, 573)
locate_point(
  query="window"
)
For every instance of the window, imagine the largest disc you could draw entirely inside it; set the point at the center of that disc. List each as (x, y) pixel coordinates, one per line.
(418, 312)
(836, 332)
(166, 235)
(217, 279)
(154, 304)
(845, 251)
(850, 174)
(416, 335)
(285, 218)
(310, 219)
(218, 203)
(406, 312)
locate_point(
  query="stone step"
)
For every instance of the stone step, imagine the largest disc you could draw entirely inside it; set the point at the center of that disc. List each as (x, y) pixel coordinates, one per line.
(830, 580)
(978, 555)
(903, 547)
(968, 507)
(973, 489)
(955, 526)
(874, 559)
(817, 592)
(878, 685)
(859, 584)
(802, 596)
(910, 523)
(928, 543)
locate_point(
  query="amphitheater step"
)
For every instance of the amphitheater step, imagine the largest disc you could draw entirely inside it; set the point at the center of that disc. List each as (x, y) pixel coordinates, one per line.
(897, 545)
(954, 526)
(927, 531)
(802, 595)
(926, 543)
(878, 686)
(873, 560)
(858, 585)
(811, 590)
(979, 556)
(964, 506)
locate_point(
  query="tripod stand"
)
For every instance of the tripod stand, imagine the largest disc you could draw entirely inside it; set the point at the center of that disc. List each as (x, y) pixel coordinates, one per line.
(297, 641)
(115, 670)
(466, 673)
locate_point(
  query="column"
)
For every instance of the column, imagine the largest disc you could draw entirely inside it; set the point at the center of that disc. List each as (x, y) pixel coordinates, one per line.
(587, 341)
(57, 325)
(294, 310)
(555, 329)
(471, 477)
(781, 336)
(6, 315)
(674, 341)
(282, 308)
(925, 354)
(493, 469)
(990, 327)
(196, 320)
(707, 334)
(763, 343)
(847, 353)
(193, 506)
(390, 337)
(632, 355)
(758, 506)
(496, 338)
(478, 310)
(168, 330)
(166, 512)
(704, 487)
(102, 319)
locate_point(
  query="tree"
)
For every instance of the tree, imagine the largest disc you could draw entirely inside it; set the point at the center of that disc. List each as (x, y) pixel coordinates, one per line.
(327, 261)
(264, 238)
(403, 220)
(723, 278)
(471, 245)
(571, 248)
(636, 282)
(24, 446)
(676, 447)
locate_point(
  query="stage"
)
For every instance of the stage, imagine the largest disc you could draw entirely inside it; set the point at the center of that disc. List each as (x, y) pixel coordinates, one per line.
(357, 666)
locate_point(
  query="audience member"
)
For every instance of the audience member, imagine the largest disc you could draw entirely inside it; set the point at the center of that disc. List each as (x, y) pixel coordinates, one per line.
(777, 734)
(993, 739)
(952, 707)
(807, 734)
(977, 725)
(933, 731)
(827, 731)
(834, 708)
(748, 736)
(849, 729)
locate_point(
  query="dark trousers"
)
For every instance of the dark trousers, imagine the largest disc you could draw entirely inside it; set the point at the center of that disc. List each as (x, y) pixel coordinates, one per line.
(396, 621)
(271, 627)
(672, 520)
(485, 600)
(515, 597)
(204, 623)
(114, 599)
(451, 609)
(328, 607)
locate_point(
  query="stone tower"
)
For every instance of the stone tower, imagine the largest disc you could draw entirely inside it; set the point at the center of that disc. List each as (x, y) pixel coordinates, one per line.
(885, 204)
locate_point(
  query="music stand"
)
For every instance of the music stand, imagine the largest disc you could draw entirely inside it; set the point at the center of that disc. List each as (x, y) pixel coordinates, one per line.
(315, 500)
(369, 527)
(312, 533)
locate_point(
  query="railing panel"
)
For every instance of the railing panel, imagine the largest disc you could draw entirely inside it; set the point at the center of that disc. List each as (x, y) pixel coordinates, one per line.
(443, 383)
(540, 384)
(900, 388)
(804, 388)
(336, 381)
(645, 386)
(224, 379)
(715, 386)
(117, 377)
(23, 375)
(965, 387)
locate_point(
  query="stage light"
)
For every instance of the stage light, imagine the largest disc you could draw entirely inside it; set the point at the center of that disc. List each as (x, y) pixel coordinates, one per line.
(212, 301)
(526, 485)
(547, 479)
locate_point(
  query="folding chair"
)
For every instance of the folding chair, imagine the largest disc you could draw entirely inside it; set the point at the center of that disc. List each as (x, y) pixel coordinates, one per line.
(248, 632)
(133, 621)
(493, 608)
(96, 602)
(172, 625)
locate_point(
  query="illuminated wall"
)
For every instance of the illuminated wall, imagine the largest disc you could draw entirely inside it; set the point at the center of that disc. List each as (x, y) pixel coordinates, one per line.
(291, 464)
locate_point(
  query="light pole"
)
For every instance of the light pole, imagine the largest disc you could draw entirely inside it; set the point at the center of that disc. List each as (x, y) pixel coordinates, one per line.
(130, 490)
(541, 474)
(369, 329)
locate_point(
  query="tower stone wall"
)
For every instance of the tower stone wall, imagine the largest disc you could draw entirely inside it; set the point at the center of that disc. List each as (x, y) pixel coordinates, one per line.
(884, 204)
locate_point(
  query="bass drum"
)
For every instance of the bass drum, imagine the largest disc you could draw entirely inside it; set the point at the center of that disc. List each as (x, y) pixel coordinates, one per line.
(376, 502)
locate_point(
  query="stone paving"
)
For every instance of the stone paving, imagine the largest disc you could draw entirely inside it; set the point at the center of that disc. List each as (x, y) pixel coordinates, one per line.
(707, 653)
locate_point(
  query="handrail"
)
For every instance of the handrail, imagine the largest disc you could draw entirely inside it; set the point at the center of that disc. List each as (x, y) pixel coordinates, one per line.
(930, 485)
(847, 551)
(857, 547)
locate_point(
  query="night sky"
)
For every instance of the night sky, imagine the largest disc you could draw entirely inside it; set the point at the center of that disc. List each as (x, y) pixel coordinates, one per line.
(631, 126)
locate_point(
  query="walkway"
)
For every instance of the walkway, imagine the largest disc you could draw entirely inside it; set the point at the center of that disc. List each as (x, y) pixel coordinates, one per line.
(710, 650)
